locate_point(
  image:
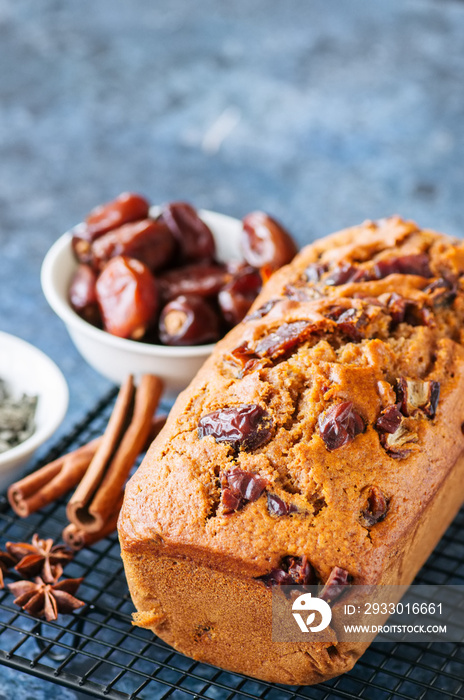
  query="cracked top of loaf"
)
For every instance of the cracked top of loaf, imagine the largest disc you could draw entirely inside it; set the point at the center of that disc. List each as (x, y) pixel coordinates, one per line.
(347, 377)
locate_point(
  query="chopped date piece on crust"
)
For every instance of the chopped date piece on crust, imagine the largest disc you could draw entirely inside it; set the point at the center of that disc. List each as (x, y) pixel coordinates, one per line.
(399, 444)
(395, 435)
(349, 321)
(372, 301)
(292, 571)
(339, 425)
(300, 292)
(442, 292)
(278, 577)
(314, 272)
(405, 265)
(301, 570)
(249, 486)
(344, 273)
(276, 506)
(409, 311)
(424, 317)
(335, 584)
(261, 311)
(230, 502)
(414, 394)
(244, 357)
(240, 487)
(284, 339)
(247, 426)
(398, 307)
(375, 508)
(389, 420)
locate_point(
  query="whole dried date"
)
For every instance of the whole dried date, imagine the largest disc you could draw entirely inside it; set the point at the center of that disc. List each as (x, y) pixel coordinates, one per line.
(188, 320)
(193, 236)
(127, 207)
(265, 242)
(201, 279)
(149, 241)
(179, 247)
(81, 244)
(128, 297)
(238, 295)
(83, 294)
(339, 425)
(247, 426)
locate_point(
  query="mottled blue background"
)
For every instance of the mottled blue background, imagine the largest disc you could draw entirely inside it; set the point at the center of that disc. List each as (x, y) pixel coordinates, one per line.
(323, 113)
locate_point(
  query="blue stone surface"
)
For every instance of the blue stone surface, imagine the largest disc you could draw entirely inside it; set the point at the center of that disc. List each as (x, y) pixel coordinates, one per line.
(322, 113)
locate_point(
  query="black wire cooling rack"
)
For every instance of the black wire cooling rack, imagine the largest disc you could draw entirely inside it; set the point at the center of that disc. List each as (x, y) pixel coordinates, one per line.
(97, 651)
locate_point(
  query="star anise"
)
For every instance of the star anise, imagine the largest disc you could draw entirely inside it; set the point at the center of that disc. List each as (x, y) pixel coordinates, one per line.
(41, 557)
(44, 600)
(6, 562)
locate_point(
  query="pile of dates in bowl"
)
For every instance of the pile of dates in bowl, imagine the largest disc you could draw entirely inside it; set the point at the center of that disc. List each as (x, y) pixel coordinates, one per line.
(156, 279)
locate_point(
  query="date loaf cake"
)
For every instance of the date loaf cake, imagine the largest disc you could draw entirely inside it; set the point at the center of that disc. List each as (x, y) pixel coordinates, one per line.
(322, 442)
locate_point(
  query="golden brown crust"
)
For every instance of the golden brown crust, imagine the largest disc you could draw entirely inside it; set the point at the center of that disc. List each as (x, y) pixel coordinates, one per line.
(173, 506)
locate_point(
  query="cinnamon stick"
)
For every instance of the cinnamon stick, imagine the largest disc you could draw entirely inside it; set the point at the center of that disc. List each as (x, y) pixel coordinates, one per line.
(93, 502)
(52, 481)
(77, 509)
(76, 538)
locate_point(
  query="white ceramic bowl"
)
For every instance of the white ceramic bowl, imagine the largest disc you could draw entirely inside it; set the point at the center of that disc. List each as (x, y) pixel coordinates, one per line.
(28, 370)
(115, 357)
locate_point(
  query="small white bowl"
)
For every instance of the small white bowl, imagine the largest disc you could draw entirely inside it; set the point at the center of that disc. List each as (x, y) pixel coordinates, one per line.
(115, 357)
(27, 370)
